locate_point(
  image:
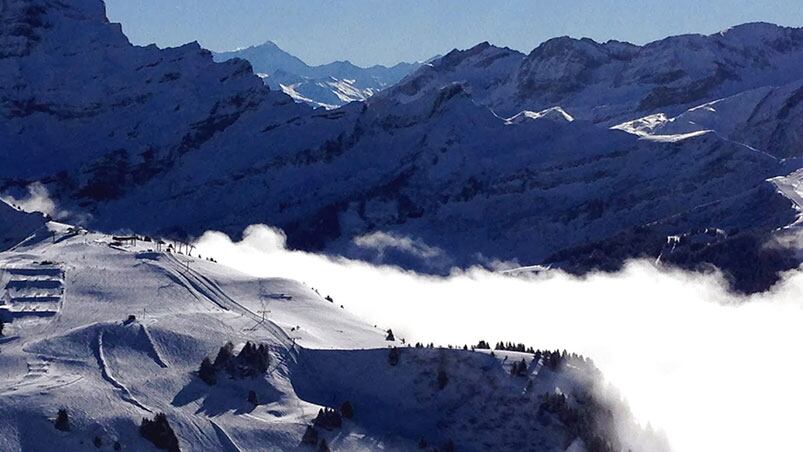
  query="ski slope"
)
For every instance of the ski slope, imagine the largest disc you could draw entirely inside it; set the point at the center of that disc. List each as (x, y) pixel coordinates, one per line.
(110, 370)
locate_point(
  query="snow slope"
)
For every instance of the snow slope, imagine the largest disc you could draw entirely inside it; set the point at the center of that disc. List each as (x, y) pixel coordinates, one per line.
(603, 82)
(110, 371)
(16, 225)
(766, 119)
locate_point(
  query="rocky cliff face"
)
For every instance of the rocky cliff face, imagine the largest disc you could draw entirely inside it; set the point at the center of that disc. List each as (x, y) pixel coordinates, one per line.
(604, 82)
(169, 142)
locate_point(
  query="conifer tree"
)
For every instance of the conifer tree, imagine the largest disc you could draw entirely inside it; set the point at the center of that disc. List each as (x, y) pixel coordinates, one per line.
(224, 356)
(62, 420)
(159, 432)
(207, 372)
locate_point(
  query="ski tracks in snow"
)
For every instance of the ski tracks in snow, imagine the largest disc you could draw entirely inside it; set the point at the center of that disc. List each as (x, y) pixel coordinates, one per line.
(199, 285)
(156, 355)
(125, 394)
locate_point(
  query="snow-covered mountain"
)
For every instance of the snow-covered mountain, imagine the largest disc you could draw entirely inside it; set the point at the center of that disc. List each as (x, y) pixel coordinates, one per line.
(329, 85)
(767, 118)
(603, 82)
(113, 333)
(16, 225)
(166, 141)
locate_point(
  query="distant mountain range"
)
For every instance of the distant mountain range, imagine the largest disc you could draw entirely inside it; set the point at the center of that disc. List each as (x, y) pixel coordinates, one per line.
(329, 85)
(579, 155)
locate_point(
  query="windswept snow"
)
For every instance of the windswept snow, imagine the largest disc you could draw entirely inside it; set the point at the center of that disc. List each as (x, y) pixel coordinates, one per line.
(329, 85)
(553, 114)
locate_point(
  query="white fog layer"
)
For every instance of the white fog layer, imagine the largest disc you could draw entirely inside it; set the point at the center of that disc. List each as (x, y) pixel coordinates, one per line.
(712, 370)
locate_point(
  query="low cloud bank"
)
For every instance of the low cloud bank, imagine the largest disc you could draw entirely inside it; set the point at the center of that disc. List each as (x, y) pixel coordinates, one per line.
(713, 370)
(37, 200)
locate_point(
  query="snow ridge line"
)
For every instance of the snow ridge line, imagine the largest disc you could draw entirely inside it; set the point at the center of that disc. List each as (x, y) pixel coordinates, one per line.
(156, 355)
(125, 394)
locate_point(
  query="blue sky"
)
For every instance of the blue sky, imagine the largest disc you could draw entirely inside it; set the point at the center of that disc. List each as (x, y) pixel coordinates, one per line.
(385, 32)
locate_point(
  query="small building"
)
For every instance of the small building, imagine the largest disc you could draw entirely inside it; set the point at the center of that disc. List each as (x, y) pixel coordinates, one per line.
(126, 239)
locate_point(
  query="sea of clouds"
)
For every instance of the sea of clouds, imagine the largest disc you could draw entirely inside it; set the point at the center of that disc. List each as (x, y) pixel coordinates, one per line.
(712, 370)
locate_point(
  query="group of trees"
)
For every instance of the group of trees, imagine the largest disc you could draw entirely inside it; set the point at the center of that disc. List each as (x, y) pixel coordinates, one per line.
(482, 345)
(587, 419)
(551, 359)
(519, 369)
(554, 359)
(62, 423)
(156, 430)
(159, 432)
(328, 419)
(512, 347)
(252, 360)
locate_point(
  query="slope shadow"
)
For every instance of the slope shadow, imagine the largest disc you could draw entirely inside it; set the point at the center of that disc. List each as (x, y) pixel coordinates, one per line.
(228, 394)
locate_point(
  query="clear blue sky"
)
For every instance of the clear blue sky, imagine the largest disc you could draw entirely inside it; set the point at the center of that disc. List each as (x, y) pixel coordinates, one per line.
(388, 31)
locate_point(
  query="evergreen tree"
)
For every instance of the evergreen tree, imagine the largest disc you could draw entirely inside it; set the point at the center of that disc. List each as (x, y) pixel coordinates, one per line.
(522, 368)
(253, 359)
(159, 432)
(328, 419)
(252, 398)
(224, 356)
(390, 336)
(322, 446)
(97, 442)
(63, 420)
(207, 372)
